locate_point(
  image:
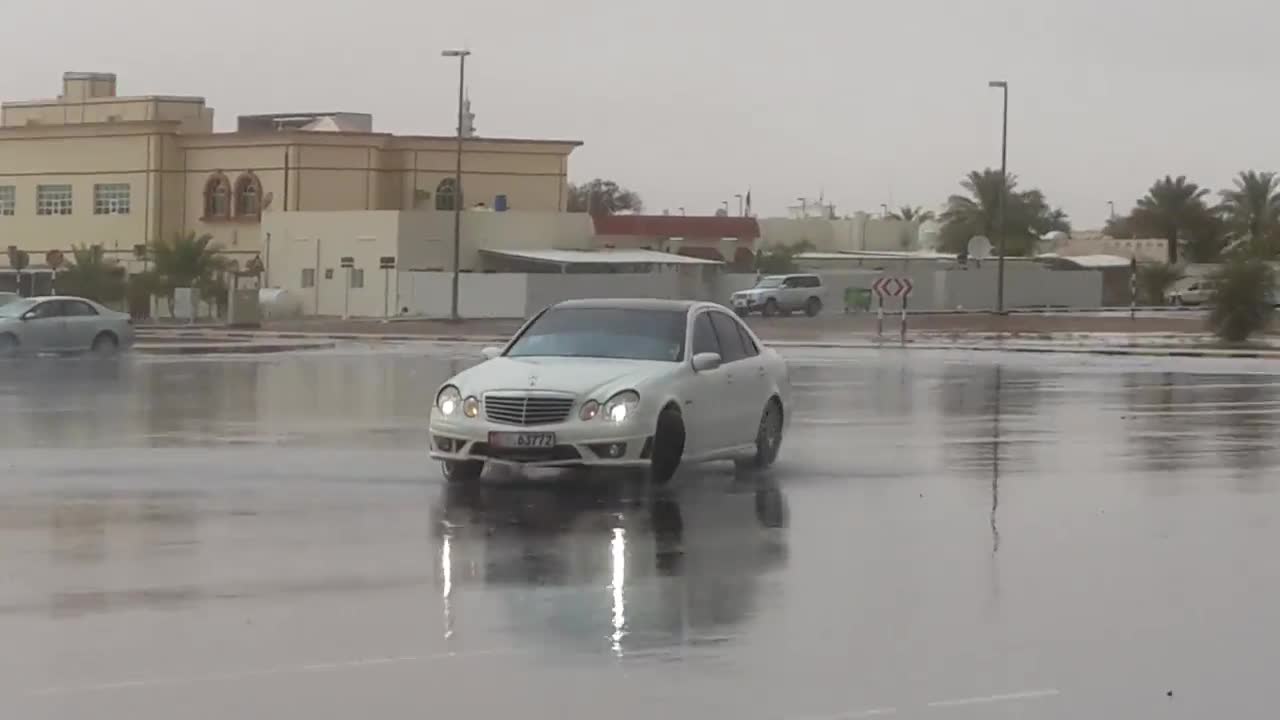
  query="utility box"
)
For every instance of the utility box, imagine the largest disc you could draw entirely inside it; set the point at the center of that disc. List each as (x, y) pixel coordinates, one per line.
(243, 310)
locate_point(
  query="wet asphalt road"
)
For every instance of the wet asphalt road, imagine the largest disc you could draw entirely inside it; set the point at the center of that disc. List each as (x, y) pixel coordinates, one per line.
(947, 536)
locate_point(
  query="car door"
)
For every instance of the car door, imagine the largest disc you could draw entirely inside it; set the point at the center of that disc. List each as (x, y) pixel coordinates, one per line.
(44, 327)
(744, 378)
(793, 293)
(81, 323)
(705, 410)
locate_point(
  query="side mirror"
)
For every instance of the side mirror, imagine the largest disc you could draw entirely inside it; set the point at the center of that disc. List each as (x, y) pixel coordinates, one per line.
(28, 315)
(703, 362)
(491, 352)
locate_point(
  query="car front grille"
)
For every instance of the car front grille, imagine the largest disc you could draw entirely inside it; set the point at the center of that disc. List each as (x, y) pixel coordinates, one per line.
(527, 409)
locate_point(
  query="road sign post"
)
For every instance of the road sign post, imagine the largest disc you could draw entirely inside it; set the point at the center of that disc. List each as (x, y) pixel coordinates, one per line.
(348, 263)
(888, 286)
(387, 263)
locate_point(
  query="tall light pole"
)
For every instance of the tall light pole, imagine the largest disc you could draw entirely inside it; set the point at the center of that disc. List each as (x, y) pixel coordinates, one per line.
(1004, 190)
(741, 211)
(1111, 209)
(884, 210)
(457, 180)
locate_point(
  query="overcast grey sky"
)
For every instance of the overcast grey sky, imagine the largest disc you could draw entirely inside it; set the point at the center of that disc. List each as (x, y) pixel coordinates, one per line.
(691, 101)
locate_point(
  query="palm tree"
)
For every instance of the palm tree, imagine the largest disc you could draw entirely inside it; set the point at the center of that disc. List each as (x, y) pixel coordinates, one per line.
(1026, 214)
(912, 214)
(1170, 209)
(90, 275)
(1251, 211)
(189, 261)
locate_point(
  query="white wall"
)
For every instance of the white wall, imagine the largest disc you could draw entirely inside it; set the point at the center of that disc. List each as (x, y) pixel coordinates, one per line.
(319, 240)
(1026, 285)
(546, 289)
(480, 295)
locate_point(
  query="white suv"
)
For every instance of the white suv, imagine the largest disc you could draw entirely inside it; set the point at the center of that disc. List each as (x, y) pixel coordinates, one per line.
(774, 294)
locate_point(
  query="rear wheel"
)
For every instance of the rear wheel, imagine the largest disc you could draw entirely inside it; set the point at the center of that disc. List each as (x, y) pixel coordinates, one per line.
(768, 438)
(105, 344)
(813, 307)
(462, 471)
(8, 345)
(668, 446)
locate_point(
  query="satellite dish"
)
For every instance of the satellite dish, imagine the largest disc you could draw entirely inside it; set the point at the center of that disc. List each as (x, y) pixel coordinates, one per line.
(979, 247)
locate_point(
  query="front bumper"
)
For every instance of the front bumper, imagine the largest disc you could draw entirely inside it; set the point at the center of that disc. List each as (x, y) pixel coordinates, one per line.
(747, 303)
(578, 444)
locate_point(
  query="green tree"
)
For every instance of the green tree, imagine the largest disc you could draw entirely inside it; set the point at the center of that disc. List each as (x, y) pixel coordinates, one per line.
(912, 214)
(1155, 280)
(1206, 237)
(1251, 210)
(1241, 298)
(192, 261)
(781, 260)
(1171, 207)
(603, 197)
(1027, 214)
(91, 275)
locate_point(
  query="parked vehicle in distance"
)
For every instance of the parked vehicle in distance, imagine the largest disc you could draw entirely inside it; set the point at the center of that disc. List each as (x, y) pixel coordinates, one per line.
(1193, 292)
(785, 294)
(8, 297)
(62, 325)
(642, 384)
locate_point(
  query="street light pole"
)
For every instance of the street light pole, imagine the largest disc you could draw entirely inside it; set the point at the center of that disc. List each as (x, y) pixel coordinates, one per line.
(741, 211)
(1111, 209)
(1004, 191)
(457, 180)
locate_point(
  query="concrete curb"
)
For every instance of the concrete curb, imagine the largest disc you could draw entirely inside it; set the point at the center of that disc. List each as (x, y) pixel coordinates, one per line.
(1045, 349)
(230, 348)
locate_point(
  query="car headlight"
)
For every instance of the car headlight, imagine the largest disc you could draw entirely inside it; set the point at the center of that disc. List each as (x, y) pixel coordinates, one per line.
(621, 406)
(471, 406)
(590, 409)
(448, 400)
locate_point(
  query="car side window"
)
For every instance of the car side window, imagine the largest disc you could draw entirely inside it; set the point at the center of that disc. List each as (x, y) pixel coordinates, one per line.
(46, 310)
(791, 282)
(731, 348)
(75, 308)
(748, 344)
(704, 336)
(812, 281)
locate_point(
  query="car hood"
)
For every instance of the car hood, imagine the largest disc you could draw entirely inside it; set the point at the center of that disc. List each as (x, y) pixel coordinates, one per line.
(587, 377)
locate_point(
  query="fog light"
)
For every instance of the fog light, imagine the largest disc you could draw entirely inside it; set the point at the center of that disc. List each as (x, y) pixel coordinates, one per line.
(617, 450)
(612, 451)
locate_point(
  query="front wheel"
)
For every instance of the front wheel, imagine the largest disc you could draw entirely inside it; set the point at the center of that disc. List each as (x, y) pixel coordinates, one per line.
(8, 345)
(813, 307)
(668, 447)
(768, 438)
(770, 308)
(462, 471)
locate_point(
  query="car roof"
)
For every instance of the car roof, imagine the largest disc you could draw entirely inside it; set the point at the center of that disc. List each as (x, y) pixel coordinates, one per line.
(629, 304)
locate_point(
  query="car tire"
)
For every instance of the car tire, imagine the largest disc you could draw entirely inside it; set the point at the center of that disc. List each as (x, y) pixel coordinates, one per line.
(8, 345)
(768, 438)
(105, 344)
(668, 446)
(770, 307)
(742, 312)
(813, 307)
(462, 471)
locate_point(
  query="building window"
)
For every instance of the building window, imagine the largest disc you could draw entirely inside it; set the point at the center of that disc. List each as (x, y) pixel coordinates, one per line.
(53, 199)
(217, 198)
(357, 278)
(308, 277)
(248, 196)
(111, 199)
(446, 194)
(8, 199)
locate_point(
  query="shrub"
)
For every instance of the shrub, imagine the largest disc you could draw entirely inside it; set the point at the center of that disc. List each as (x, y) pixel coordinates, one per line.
(1154, 280)
(1242, 297)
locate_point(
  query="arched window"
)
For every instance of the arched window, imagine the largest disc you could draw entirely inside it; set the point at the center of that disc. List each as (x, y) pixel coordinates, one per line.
(446, 194)
(217, 197)
(248, 196)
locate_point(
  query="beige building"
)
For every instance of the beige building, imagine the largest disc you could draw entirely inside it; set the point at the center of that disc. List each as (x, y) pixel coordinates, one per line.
(93, 167)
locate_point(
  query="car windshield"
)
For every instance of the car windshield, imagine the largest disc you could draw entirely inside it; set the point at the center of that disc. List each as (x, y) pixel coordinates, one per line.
(772, 281)
(16, 308)
(623, 333)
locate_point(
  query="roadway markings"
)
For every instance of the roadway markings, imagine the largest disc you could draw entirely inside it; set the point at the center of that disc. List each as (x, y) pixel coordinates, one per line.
(264, 672)
(948, 704)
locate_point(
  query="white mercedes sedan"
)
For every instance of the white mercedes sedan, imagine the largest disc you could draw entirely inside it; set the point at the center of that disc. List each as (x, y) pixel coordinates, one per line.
(644, 384)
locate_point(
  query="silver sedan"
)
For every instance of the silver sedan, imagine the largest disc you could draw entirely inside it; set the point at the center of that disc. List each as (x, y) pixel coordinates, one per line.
(62, 325)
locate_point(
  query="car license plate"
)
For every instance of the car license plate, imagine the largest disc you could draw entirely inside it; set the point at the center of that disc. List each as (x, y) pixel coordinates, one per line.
(523, 440)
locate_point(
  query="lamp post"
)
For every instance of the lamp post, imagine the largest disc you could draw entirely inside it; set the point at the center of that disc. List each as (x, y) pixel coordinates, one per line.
(884, 210)
(457, 180)
(741, 210)
(1111, 209)
(1003, 85)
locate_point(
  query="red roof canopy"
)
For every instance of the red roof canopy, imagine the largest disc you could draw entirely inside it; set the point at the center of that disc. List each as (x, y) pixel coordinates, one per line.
(682, 226)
